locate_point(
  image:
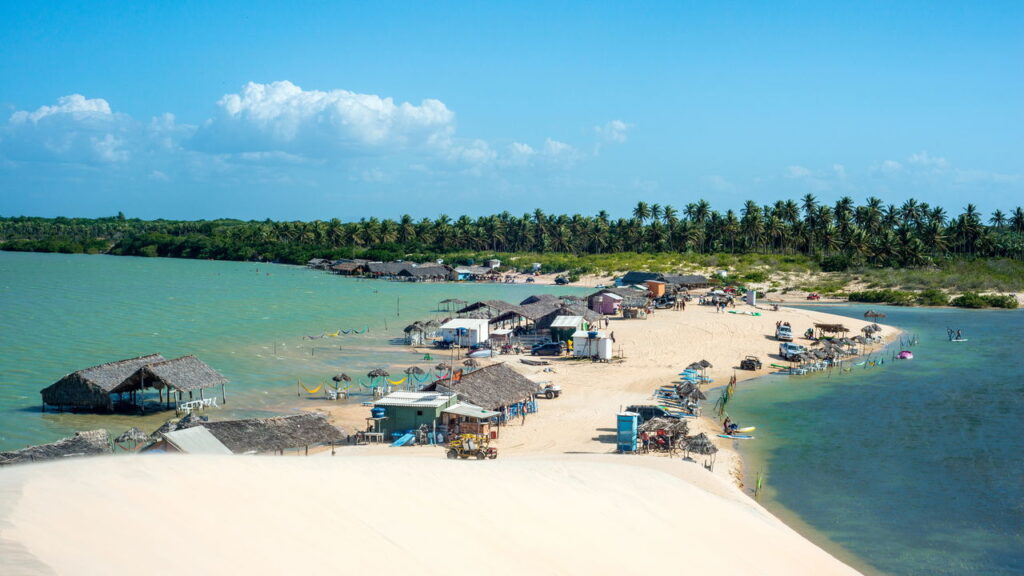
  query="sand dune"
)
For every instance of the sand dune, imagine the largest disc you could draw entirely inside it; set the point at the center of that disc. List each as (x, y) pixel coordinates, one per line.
(383, 515)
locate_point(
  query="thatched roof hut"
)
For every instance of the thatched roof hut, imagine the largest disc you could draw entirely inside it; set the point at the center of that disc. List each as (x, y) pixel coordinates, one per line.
(538, 298)
(491, 387)
(184, 374)
(91, 443)
(260, 435)
(90, 388)
(491, 307)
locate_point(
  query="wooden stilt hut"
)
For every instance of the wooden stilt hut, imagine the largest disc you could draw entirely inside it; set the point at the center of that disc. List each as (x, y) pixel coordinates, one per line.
(92, 388)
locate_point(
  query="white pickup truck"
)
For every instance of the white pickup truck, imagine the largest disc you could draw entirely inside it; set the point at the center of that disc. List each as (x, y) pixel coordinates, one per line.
(791, 351)
(783, 333)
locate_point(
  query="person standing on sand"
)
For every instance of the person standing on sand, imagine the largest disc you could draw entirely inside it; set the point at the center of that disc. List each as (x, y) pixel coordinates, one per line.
(523, 412)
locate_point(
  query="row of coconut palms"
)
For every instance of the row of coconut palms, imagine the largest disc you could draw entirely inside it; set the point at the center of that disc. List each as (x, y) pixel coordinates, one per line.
(912, 233)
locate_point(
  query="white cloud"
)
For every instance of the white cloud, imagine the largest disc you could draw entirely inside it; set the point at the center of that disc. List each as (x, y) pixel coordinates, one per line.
(74, 105)
(281, 115)
(924, 159)
(839, 170)
(613, 131)
(797, 172)
(890, 167)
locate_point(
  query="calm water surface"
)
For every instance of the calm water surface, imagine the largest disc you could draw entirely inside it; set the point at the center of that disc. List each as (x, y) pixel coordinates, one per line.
(915, 467)
(61, 313)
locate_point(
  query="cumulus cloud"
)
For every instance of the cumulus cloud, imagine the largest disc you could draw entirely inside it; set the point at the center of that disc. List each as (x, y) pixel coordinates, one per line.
(613, 131)
(274, 132)
(283, 116)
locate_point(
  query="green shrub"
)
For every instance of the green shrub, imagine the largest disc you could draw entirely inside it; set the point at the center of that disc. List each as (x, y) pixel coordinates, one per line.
(975, 300)
(837, 263)
(896, 297)
(933, 297)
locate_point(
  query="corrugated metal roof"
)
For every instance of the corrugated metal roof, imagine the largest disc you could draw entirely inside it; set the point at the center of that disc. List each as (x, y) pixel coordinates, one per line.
(567, 322)
(196, 440)
(470, 410)
(428, 399)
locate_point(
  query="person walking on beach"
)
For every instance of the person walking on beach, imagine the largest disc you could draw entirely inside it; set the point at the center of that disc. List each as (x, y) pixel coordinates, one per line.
(523, 412)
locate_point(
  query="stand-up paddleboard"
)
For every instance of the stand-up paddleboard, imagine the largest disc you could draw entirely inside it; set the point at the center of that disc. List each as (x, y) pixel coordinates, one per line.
(959, 340)
(736, 436)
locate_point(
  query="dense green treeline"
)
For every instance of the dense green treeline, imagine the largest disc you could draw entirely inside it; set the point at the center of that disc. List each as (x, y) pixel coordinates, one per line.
(835, 236)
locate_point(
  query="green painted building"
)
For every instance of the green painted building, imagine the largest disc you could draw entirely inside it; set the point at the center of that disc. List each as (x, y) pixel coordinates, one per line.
(409, 410)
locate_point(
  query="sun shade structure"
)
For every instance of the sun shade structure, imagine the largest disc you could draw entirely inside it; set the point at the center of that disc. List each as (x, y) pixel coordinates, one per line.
(196, 440)
(91, 443)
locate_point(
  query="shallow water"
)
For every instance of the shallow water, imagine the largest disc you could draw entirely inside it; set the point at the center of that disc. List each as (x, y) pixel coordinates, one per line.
(915, 467)
(60, 313)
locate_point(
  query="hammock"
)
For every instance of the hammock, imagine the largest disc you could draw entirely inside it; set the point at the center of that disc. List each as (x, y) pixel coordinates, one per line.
(423, 378)
(397, 382)
(371, 385)
(313, 391)
(332, 334)
(313, 337)
(354, 331)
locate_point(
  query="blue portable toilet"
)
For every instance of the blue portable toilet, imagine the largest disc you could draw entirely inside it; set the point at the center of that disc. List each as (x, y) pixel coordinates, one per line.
(626, 431)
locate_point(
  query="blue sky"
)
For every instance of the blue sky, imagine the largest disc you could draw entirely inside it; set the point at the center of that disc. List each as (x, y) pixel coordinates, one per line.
(320, 110)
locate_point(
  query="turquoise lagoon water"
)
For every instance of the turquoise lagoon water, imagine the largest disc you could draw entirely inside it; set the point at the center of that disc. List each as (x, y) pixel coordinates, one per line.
(60, 313)
(914, 467)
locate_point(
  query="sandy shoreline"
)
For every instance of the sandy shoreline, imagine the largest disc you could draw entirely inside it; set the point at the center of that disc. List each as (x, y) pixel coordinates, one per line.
(569, 443)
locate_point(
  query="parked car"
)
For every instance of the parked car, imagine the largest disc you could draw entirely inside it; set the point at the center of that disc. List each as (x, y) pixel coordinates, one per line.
(790, 351)
(561, 280)
(750, 363)
(784, 333)
(648, 412)
(814, 296)
(548, 349)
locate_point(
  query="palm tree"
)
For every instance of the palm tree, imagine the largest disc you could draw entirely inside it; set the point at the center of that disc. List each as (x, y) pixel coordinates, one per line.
(642, 211)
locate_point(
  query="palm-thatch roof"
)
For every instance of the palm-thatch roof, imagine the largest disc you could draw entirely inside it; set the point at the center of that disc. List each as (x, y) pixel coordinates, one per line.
(414, 370)
(341, 377)
(258, 435)
(132, 434)
(491, 387)
(183, 374)
(471, 362)
(90, 443)
(691, 391)
(91, 387)
(377, 373)
(700, 444)
(830, 328)
(491, 307)
(538, 298)
(670, 425)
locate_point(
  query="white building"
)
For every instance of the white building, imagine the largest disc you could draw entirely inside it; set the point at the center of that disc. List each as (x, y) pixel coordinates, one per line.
(592, 343)
(465, 331)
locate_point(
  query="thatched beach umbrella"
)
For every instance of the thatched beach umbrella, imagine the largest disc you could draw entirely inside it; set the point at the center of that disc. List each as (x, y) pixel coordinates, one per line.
(443, 367)
(414, 370)
(378, 373)
(471, 362)
(341, 377)
(700, 444)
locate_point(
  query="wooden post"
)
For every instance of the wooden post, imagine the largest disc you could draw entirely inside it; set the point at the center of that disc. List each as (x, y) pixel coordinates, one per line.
(223, 398)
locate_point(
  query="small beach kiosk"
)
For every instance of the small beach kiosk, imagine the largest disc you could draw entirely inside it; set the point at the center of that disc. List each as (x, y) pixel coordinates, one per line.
(400, 412)
(592, 344)
(465, 331)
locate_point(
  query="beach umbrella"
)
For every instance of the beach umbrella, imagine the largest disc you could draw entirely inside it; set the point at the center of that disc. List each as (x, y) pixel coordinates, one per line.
(414, 370)
(700, 444)
(377, 373)
(471, 362)
(705, 364)
(694, 366)
(443, 366)
(341, 377)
